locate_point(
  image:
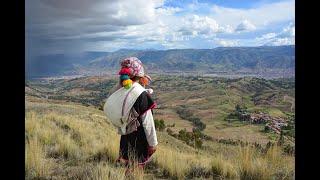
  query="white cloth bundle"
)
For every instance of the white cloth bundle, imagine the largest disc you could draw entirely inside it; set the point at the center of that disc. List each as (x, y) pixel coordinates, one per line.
(115, 105)
(118, 105)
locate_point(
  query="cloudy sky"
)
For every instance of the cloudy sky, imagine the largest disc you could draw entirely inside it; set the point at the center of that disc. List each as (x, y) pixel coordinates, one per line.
(74, 26)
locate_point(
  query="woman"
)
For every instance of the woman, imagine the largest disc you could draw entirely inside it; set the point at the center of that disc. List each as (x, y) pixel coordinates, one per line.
(130, 109)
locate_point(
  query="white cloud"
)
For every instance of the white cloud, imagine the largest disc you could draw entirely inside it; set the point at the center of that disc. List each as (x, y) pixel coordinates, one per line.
(288, 31)
(168, 11)
(268, 36)
(226, 29)
(226, 43)
(201, 26)
(281, 42)
(285, 37)
(245, 26)
(260, 16)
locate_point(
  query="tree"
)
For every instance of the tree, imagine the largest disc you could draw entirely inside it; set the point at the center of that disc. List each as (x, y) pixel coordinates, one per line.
(159, 124)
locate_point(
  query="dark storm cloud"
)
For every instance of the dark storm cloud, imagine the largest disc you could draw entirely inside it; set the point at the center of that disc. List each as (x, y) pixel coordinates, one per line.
(54, 25)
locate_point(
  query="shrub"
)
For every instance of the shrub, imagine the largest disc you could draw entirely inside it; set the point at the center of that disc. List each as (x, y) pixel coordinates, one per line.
(159, 124)
(172, 125)
(194, 138)
(169, 131)
(198, 143)
(241, 108)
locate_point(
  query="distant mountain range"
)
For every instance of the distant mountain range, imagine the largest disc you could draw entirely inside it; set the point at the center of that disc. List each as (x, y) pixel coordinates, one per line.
(221, 59)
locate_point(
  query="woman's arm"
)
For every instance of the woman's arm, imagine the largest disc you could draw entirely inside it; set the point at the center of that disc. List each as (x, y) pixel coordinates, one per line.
(149, 128)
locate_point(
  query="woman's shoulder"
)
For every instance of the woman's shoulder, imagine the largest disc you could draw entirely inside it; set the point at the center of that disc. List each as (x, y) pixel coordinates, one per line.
(144, 102)
(144, 98)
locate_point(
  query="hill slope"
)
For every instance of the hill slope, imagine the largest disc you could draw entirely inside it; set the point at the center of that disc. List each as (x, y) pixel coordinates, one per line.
(267, 59)
(69, 141)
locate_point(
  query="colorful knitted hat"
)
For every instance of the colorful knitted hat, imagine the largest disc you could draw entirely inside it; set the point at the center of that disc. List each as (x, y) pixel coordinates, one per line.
(131, 67)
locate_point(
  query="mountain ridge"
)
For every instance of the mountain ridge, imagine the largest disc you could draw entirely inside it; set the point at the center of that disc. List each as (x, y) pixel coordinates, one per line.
(227, 59)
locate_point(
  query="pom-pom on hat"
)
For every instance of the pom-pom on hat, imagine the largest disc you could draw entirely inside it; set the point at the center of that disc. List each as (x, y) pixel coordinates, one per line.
(125, 71)
(124, 77)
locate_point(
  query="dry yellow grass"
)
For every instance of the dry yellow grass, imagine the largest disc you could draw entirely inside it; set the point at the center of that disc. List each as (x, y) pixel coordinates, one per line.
(36, 165)
(180, 164)
(251, 166)
(273, 163)
(76, 142)
(105, 172)
(67, 137)
(60, 136)
(223, 168)
(175, 163)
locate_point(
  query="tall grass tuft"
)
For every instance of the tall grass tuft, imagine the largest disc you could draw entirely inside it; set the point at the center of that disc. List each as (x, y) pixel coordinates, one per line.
(247, 164)
(175, 163)
(282, 166)
(223, 168)
(105, 172)
(36, 165)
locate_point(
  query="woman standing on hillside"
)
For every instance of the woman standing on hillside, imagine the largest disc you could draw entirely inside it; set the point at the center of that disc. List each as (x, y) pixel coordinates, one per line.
(129, 108)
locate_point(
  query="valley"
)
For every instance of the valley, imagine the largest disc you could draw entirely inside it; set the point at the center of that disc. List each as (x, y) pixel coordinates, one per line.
(64, 119)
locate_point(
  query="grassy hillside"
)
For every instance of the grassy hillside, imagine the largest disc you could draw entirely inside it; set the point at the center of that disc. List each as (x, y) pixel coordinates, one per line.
(66, 140)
